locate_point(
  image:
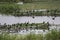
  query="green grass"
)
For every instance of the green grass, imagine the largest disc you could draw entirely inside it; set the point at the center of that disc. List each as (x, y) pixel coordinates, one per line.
(9, 8)
(21, 37)
(40, 5)
(51, 35)
(14, 9)
(37, 5)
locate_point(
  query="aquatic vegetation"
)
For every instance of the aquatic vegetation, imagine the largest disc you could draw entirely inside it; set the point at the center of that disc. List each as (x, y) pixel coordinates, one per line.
(17, 27)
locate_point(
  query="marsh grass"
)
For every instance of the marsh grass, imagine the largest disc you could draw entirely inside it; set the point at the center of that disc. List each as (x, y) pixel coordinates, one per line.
(51, 35)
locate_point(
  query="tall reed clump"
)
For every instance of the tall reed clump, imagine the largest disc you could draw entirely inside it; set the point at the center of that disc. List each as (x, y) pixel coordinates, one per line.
(53, 35)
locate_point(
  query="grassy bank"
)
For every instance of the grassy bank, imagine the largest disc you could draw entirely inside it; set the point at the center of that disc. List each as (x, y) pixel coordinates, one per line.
(9, 8)
(52, 35)
(53, 8)
(40, 5)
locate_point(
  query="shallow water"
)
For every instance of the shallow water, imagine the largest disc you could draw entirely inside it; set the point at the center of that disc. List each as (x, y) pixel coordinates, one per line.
(37, 19)
(30, 19)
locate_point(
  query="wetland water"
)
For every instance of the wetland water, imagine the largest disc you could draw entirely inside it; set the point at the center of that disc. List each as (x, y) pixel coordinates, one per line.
(24, 19)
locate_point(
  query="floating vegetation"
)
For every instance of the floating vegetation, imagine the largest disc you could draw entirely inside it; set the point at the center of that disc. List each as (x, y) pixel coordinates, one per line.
(17, 27)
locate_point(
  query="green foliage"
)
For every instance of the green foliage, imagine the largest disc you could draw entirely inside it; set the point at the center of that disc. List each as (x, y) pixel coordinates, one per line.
(34, 37)
(21, 37)
(53, 35)
(9, 8)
